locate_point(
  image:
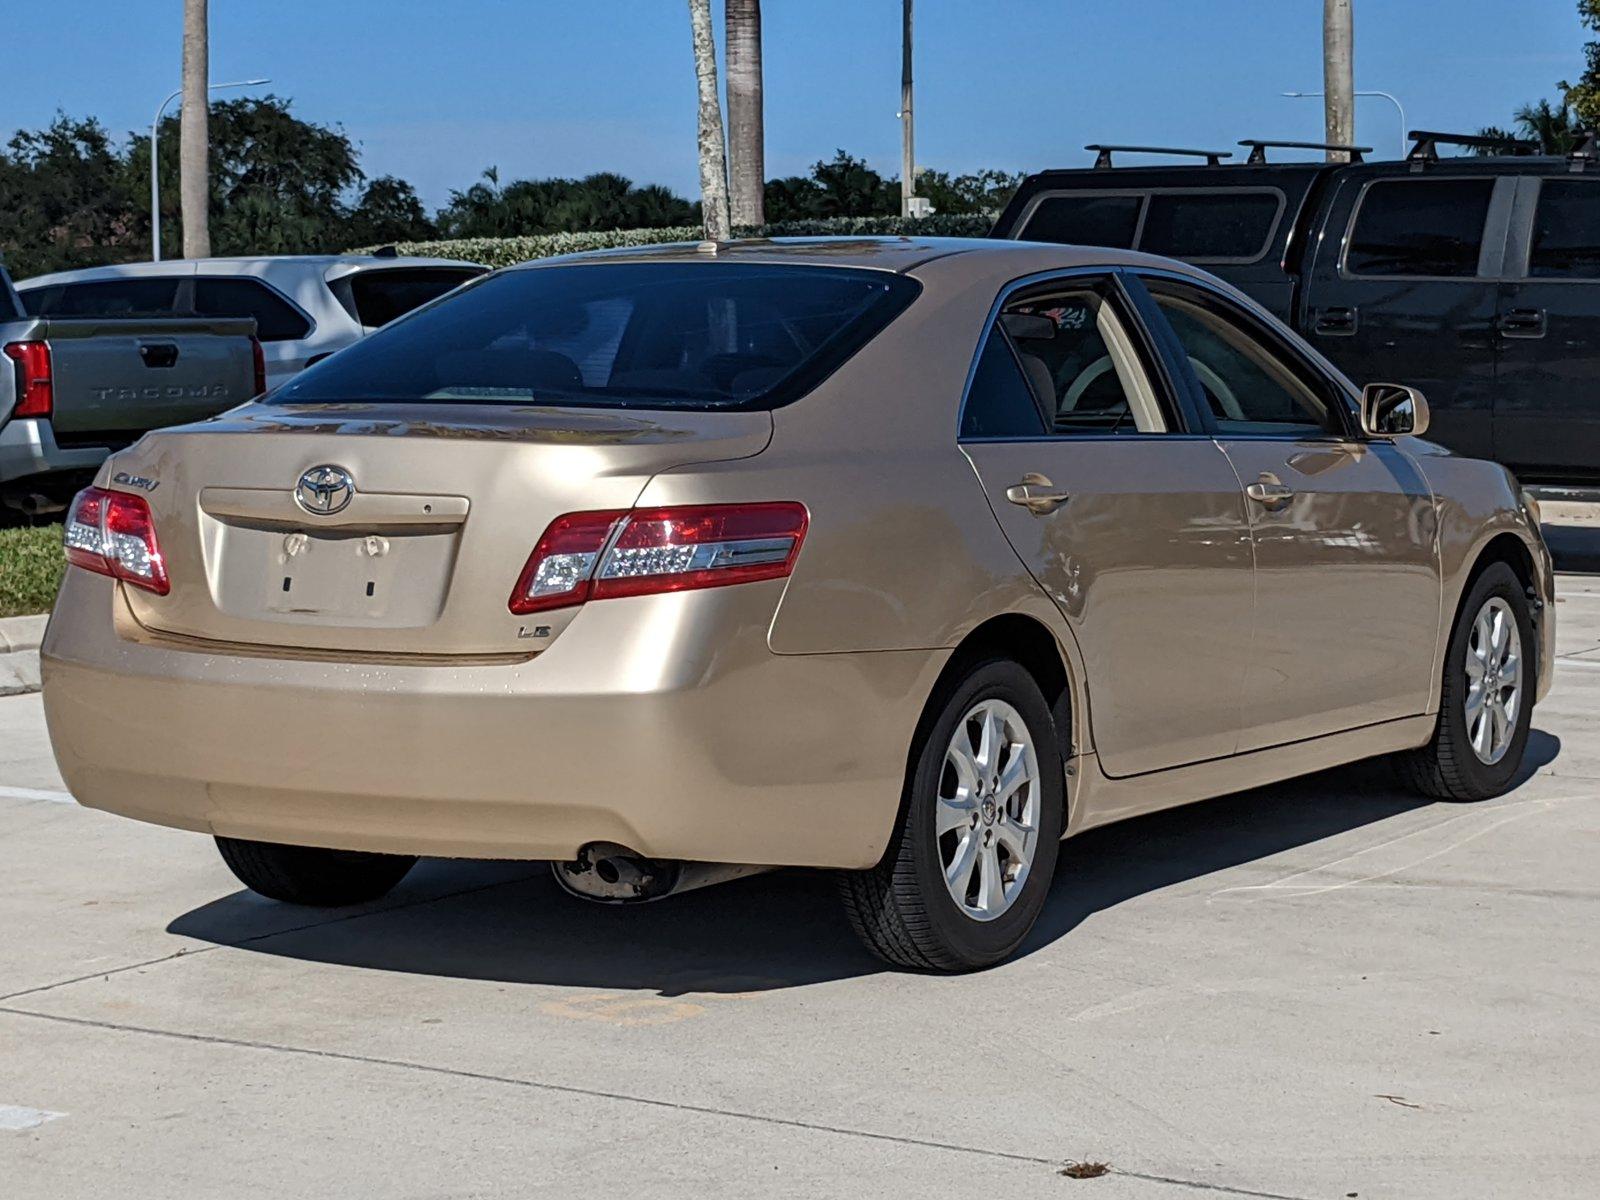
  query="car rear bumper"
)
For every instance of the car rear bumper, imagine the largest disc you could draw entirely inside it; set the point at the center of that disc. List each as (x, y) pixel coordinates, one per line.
(634, 727)
(28, 448)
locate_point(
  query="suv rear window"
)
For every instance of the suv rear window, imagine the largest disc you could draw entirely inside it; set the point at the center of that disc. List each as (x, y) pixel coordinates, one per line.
(376, 297)
(1420, 227)
(1203, 226)
(1085, 221)
(620, 335)
(147, 297)
(225, 296)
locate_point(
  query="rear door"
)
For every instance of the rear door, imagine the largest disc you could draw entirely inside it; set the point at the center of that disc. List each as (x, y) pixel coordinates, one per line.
(280, 324)
(1346, 580)
(1134, 526)
(1403, 288)
(1547, 404)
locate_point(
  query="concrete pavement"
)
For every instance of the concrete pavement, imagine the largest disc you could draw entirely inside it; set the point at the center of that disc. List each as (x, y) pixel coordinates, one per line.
(1321, 989)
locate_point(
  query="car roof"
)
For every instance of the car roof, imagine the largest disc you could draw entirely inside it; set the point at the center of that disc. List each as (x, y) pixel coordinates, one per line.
(268, 264)
(886, 253)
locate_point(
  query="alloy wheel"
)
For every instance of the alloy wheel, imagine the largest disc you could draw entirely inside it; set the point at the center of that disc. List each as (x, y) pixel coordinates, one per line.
(1494, 680)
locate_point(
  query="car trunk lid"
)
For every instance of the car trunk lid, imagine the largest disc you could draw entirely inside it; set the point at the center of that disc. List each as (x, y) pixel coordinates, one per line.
(418, 555)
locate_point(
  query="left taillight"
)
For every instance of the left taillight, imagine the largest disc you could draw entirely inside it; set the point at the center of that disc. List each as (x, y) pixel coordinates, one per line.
(599, 555)
(258, 359)
(35, 378)
(112, 533)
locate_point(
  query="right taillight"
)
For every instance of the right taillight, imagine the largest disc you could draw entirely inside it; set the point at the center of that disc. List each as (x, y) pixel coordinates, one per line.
(598, 555)
(35, 378)
(113, 534)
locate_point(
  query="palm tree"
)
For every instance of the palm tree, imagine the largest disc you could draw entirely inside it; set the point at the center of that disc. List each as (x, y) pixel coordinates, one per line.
(713, 153)
(746, 155)
(1551, 129)
(193, 144)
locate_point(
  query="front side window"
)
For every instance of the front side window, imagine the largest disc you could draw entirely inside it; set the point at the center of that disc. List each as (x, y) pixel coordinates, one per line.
(151, 297)
(1420, 227)
(1566, 230)
(1082, 365)
(619, 335)
(1248, 386)
(228, 296)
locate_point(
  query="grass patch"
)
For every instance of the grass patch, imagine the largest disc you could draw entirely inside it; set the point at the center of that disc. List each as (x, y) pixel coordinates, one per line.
(31, 566)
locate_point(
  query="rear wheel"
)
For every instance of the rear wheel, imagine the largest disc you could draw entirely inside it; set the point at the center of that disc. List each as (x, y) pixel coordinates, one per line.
(1485, 698)
(311, 875)
(967, 872)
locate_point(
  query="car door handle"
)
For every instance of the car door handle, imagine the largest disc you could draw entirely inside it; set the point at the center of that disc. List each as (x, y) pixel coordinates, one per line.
(1270, 493)
(1335, 321)
(1522, 323)
(1030, 495)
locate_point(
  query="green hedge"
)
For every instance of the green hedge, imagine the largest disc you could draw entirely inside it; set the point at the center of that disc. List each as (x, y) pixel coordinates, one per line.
(31, 566)
(502, 252)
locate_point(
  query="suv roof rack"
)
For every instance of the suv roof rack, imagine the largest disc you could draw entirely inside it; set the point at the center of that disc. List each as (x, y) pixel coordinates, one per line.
(1259, 148)
(1103, 153)
(1426, 143)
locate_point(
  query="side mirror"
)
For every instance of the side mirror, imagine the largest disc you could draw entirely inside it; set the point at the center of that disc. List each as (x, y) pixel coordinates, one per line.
(1393, 410)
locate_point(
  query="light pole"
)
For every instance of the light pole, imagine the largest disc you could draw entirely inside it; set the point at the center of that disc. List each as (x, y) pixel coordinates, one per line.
(1386, 95)
(155, 173)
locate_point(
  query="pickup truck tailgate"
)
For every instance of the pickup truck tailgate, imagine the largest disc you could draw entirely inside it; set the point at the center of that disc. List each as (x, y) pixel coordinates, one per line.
(127, 376)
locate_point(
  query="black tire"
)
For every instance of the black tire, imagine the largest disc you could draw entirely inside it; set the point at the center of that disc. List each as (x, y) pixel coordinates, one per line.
(1447, 768)
(901, 909)
(310, 875)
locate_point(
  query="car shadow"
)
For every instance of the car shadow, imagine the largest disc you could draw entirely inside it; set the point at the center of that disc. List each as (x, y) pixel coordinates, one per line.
(510, 923)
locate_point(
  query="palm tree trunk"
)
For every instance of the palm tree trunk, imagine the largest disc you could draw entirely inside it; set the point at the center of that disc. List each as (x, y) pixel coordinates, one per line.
(746, 153)
(193, 147)
(713, 153)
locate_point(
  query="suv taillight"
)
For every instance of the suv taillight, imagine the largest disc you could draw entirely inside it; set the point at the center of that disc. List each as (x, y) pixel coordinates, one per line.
(35, 378)
(258, 360)
(112, 533)
(597, 555)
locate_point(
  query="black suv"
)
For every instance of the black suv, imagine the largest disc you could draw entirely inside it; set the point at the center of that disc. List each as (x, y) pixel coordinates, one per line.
(1475, 279)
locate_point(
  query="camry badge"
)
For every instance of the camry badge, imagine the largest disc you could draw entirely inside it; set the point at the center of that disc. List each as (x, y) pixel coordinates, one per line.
(325, 490)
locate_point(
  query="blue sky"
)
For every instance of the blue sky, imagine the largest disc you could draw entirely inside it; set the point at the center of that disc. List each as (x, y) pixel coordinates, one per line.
(437, 90)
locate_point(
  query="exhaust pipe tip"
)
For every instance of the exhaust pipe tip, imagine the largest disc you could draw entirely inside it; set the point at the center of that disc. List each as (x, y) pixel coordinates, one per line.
(611, 874)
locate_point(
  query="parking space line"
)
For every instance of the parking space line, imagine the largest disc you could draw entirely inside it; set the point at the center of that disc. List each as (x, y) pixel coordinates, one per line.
(55, 796)
(16, 1119)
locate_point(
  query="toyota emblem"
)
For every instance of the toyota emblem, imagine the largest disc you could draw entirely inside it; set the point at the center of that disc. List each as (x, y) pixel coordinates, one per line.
(325, 490)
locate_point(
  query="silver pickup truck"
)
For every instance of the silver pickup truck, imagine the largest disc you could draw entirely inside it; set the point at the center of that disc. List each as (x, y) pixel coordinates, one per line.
(72, 390)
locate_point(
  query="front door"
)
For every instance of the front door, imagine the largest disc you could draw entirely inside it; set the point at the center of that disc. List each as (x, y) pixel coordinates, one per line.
(1134, 527)
(1547, 405)
(1402, 289)
(1347, 581)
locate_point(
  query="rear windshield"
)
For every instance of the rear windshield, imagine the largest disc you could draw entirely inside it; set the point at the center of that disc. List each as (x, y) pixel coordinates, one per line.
(619, 335)
(376, 297)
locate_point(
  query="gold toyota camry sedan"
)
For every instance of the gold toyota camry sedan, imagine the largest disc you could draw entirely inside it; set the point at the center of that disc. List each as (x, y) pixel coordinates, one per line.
(904, 558)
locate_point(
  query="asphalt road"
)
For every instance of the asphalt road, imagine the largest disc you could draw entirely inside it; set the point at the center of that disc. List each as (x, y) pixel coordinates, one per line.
(1323, 989)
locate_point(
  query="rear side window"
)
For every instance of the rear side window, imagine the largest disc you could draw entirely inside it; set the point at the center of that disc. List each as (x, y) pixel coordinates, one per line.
(155, 297)
(1085, 221)
(276, 319)
(999, 402)
(620, 335)
(1420, 227)
(377, 297)
(1566, 230)
(1210, 224)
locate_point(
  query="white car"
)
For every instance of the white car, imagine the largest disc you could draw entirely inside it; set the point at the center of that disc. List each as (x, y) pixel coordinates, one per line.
(305, 306)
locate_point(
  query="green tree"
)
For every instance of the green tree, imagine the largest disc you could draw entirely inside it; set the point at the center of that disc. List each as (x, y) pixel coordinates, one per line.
(66, 199)
(843, 186)
(1584, 96)
(604, 200)
(976, 192)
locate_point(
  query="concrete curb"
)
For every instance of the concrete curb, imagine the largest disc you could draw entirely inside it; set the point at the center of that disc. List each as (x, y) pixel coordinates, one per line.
(19, 654)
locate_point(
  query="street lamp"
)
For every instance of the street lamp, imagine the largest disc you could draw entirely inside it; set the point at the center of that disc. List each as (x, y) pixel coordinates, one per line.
(1387, 96)
(155, 174)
